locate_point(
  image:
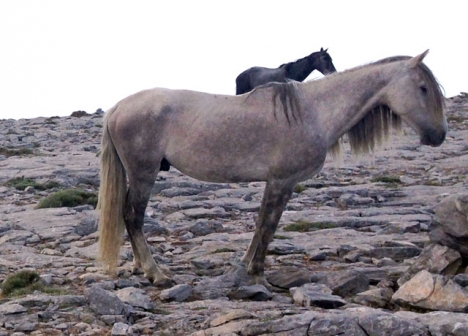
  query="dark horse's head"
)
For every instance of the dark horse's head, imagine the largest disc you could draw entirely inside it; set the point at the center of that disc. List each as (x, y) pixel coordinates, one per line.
(322, 61)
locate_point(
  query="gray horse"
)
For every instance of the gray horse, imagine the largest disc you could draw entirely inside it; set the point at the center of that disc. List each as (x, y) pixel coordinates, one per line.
(279, 133)
(297, 70)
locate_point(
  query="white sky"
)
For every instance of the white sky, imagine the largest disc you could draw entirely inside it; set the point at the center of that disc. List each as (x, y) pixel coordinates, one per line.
(60, 56)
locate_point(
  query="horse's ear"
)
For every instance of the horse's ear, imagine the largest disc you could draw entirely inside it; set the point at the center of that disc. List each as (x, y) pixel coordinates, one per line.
(414, 62)
(321, 49)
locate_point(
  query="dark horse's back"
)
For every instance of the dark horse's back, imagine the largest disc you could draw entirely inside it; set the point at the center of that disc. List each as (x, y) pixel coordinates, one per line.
(256, 76)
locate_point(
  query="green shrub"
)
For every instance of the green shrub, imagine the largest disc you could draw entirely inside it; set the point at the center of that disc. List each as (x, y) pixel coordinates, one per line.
(224, 249)
(26, 282)
(68, 198)
(305, 226)
(20, 281)
(386, 179)
(15, 152)
(21, 183)
(299, 188)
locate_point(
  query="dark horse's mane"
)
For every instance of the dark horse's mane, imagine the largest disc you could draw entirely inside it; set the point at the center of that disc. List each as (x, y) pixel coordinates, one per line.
(323, 52)
(375, 127)
(286, 65)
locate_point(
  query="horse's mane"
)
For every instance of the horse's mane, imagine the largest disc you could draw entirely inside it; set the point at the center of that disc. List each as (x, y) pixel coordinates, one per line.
(379, 122)
(288, 96)
(287, 65)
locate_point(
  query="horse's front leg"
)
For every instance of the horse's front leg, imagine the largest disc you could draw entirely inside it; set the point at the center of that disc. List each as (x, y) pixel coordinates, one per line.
(275, 198)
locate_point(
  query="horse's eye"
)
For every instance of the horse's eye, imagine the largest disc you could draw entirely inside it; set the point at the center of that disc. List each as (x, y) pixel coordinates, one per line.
(423, 89)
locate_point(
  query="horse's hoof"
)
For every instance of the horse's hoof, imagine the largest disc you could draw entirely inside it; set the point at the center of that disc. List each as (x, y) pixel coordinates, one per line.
(260, 280)
(136, 270)
(164, 282)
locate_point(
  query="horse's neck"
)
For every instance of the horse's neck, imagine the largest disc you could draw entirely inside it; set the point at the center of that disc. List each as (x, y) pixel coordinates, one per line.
(341, 100)
(300, 69)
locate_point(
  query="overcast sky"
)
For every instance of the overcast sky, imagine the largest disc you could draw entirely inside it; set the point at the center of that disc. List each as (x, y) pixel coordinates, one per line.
(61, 56)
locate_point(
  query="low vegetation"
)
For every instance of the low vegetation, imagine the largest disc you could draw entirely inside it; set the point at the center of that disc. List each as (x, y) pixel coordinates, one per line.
(305, 226)
(224, 249)
(386, 179)
(68, 198)
(21, 183)
(299, 188)
(15, 152)
(433, 183)
(25, 282)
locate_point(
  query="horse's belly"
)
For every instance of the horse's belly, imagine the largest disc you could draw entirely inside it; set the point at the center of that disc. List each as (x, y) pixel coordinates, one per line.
(259, 166)
(211, 170)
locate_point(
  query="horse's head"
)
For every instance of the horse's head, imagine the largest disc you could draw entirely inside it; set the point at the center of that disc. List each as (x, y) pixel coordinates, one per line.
(415, 95)
(323, 61)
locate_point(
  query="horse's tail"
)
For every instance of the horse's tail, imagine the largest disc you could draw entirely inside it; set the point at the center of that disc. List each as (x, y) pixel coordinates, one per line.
(111, 201)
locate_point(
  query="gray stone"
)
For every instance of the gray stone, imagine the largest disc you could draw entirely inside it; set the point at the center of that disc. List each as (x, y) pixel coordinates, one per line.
(11, 308)
(354, 200)
(135, 297)
(346, 283)
(252, 292)
(297, 324)
(195, 213)
(247, 206)
(335, 324)
(397, 253)
(120, 329)
(451, 227)
(436, 259)
(440, 323)
(153, 227)
(104, 302)
(86, 227)
(318, 295)
(377, 322)
(221, 286)
(287, 277)
(376, 298)
(177, 293)
(461, 279)
(282, 247)
(207, 262)
(174, 192)
(431, 291)
(231, 316)
(205, 227)
(452, 215)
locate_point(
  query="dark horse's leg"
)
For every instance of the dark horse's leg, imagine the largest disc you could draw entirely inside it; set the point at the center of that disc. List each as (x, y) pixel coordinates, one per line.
(138, 194)
(277, 194)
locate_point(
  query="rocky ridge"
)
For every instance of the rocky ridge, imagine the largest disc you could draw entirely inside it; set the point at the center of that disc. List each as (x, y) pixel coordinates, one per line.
(367, 228)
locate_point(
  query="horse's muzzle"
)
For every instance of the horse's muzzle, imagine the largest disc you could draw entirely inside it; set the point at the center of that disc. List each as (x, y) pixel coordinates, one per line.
(330, 71)
(433, 138)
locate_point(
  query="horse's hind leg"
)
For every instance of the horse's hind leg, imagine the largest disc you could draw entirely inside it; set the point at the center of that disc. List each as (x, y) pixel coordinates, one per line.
(138, 195)
(275, 198)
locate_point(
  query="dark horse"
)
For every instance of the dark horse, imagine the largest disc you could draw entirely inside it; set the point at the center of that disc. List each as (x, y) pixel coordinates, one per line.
(297, 70)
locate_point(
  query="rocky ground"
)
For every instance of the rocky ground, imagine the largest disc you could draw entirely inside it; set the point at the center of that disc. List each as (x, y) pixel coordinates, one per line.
(358, 228)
